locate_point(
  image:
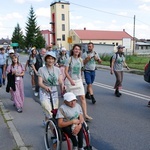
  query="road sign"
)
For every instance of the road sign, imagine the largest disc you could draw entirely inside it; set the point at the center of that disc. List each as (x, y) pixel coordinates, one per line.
(70, 39)
(14, 44)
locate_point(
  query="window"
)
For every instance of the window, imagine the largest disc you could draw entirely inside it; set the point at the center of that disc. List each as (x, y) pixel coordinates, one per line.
(63, 27)
(62, 6)
(63, 17)
(63, 37)
(74, 38)
(116, 44)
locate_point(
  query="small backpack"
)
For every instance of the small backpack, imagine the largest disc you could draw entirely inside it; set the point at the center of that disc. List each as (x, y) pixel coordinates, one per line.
(112, 58)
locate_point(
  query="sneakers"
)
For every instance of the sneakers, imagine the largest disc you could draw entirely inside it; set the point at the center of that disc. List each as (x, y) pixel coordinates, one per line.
(36, 94)
(93, 100)
(75, 148)
(33, 88)
(87, 95)
(44, 123)
(19, 110)
(148, 105)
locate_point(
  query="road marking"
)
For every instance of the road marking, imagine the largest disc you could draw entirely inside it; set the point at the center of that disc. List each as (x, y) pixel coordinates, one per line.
(134, 94)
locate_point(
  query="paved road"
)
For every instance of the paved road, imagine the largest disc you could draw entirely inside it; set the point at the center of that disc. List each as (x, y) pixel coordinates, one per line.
(118, 124)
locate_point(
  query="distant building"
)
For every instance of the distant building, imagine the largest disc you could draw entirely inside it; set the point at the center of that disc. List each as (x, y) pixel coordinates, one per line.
(47, 36)
(60, 23)
(63, 36)
(142, 47)
(114, 38)
(5, 42)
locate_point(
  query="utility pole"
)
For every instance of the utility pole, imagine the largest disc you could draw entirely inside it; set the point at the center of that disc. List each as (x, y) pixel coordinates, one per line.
(134, 35)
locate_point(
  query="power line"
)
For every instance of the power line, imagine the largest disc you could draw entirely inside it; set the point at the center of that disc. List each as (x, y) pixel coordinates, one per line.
(101, 11)
(108, 12)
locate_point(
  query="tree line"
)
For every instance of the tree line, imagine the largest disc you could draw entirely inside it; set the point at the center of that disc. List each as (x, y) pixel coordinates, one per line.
(32, 37)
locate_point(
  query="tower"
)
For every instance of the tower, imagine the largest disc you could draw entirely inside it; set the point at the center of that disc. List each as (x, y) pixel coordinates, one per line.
(60, 23)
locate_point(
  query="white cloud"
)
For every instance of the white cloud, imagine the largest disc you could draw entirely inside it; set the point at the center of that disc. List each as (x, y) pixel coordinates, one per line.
(144, 7)
(11, 16)
(123, 13)
(145, 1)
(72, 17)
(114, 21)
(43, 12)
(24, 1)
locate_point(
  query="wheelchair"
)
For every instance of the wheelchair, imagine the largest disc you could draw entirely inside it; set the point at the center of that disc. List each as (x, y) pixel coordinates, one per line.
(56, 139)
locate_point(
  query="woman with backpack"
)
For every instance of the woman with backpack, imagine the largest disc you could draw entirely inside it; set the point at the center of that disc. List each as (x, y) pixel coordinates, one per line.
(61, 63)
(29, 63)
(17, 93)
(74, 82)
(117, 64)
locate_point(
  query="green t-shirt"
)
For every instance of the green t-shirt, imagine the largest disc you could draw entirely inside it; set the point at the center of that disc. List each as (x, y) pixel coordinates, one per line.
(75, 65)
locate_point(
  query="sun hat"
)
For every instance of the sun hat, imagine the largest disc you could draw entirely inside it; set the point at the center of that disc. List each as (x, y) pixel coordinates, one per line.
(120, 46)
(11, 51)
(33, 48)
(50, 53)
(69, 96)
(63, 49)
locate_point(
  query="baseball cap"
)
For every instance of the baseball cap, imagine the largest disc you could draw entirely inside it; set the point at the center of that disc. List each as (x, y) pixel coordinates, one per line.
(51, 53)
(11, 51)
(63, 49)
(69, 96)
(120, 46)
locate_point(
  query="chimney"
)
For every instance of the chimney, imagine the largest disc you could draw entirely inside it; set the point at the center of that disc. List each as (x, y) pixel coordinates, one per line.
(84, 28)
(123, 30)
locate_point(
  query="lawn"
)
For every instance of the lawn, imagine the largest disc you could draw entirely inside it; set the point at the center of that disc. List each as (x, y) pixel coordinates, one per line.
(133, 61)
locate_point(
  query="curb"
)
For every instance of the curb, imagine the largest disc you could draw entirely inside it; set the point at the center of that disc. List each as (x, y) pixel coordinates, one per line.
(133, 71)
(8, 119)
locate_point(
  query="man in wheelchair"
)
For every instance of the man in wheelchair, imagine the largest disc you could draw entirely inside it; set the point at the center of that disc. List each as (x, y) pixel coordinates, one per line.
(70, 119)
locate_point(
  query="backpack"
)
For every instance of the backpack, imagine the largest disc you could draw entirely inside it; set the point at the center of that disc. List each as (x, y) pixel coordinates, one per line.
(112, 58)
(70, 61)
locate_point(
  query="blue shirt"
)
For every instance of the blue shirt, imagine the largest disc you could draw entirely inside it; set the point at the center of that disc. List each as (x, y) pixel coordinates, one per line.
(3, 58)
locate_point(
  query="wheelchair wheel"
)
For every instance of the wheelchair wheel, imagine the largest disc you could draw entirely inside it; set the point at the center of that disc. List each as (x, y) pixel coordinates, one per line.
(52, 136)
(86, 137)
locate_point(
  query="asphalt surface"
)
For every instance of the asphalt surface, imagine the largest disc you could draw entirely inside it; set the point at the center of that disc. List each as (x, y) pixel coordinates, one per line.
(10, 138)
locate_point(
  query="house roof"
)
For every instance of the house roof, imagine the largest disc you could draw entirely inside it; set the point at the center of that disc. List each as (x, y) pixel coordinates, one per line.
(101, 35)
(5, 41)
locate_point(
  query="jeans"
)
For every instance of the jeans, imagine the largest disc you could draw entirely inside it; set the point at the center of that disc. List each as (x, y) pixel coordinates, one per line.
(1, 76)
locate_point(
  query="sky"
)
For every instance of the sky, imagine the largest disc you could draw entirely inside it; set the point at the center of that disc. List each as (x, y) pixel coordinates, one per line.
(113, 15)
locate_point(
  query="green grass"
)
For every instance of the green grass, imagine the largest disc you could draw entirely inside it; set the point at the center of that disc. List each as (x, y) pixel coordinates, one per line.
(133, 61)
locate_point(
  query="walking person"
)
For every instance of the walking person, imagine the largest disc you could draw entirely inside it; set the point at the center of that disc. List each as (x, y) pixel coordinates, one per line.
(17, 93)
(31, 61)
(39, 63)
(62, 58)
(2, 66)
(117, 65)
(49, 77)
(90, 58)
(73, 81)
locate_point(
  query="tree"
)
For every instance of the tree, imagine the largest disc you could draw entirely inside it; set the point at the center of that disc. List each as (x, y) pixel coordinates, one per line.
(18, 37)
(33, 35)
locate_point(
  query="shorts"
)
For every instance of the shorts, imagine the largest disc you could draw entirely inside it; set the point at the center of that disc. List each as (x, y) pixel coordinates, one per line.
(89, 76)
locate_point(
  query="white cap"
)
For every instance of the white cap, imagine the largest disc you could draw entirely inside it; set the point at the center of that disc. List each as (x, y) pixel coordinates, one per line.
(33, 48)
(11, 51)
(63, 49)
(69, 96)
(51, 53)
